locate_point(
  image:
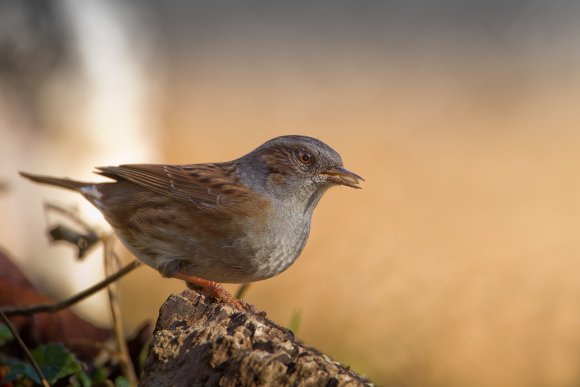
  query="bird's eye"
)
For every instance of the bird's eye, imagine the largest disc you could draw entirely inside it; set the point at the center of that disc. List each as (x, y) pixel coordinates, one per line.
(305, 158)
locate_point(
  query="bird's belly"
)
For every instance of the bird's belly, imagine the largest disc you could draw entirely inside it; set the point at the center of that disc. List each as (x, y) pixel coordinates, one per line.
(263, 250)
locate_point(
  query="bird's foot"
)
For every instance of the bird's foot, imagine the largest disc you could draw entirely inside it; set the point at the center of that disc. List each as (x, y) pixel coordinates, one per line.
(213, 288)
(216, 290)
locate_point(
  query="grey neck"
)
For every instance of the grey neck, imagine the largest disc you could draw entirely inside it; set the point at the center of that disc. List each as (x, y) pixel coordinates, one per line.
(286, 189)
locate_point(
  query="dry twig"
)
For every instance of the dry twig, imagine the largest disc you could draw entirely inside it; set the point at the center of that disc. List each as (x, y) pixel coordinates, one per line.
(111, 261)
(23, 346)
(242, 290)
(53, 307)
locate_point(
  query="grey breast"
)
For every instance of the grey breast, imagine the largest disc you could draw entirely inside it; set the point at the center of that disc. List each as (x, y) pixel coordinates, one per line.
(281, 241)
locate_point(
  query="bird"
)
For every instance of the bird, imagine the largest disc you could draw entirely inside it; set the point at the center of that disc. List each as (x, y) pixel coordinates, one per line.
(239, 221)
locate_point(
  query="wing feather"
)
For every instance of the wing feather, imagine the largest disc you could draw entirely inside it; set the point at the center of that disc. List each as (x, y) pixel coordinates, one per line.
(207, 185)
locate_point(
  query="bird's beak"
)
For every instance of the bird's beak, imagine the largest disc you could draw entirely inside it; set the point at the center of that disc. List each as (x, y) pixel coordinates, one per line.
(340, 175)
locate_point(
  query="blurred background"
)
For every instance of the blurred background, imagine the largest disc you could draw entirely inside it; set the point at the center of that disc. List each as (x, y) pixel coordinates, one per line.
(456, 265)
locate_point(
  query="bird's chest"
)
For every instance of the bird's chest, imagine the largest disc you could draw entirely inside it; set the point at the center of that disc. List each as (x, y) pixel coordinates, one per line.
(280, 241)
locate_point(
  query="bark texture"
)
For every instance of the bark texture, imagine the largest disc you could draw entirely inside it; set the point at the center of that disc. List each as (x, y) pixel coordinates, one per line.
(201, 342)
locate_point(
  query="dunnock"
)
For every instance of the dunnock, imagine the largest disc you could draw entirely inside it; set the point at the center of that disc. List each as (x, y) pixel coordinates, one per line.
(239, 221)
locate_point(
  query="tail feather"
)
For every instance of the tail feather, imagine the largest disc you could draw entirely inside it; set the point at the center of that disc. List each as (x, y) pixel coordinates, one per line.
(55, 181)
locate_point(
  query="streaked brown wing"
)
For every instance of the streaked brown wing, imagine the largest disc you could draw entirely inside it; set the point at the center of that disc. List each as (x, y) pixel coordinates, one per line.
(198, 184)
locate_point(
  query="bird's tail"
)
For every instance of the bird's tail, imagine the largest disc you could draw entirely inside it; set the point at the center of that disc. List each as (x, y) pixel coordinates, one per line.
(58, 182)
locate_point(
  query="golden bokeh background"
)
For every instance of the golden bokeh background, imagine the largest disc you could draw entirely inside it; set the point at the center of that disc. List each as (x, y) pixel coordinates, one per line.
(456, 265)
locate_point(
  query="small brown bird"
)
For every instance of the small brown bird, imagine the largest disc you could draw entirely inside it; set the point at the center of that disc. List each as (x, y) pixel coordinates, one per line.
(239, 221)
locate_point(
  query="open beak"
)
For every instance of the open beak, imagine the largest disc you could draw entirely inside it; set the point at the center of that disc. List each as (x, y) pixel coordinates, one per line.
(342, 176)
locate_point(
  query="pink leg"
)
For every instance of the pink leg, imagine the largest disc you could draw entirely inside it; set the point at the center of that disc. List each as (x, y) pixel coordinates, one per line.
(212, 287)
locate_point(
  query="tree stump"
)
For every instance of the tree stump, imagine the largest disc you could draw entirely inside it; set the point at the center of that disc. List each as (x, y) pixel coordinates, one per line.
(201, 342)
